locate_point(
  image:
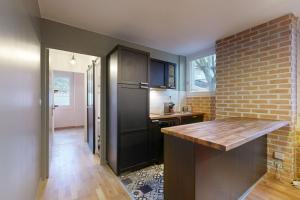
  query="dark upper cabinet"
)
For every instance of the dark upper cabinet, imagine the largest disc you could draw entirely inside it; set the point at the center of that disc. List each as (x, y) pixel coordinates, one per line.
(133, 66)
(171, 75)
(162, 74)
(157, 74)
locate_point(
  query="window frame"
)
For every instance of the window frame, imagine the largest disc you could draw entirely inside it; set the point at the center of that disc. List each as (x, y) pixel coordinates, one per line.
(190, 58)
(69, 75)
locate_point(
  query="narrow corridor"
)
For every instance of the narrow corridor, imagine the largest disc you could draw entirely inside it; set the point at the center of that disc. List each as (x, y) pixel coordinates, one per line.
(75, 172)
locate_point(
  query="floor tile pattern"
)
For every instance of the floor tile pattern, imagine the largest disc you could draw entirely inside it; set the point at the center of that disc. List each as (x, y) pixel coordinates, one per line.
(145, 184)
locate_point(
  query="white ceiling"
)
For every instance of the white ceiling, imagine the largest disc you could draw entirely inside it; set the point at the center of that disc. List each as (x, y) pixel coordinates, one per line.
(177, 26)
(60, 61)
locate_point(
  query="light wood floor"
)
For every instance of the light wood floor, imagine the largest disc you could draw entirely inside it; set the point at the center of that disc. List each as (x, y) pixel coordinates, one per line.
(75, 174)
(271, 189)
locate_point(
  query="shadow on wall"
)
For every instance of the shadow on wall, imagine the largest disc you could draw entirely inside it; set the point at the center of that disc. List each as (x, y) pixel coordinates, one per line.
(298, 154)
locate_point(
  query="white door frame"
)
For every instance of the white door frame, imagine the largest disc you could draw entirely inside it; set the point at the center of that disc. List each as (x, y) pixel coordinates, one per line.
(45, 115)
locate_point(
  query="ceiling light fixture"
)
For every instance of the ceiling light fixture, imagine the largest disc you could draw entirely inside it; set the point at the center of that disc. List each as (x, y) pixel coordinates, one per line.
(73, 61)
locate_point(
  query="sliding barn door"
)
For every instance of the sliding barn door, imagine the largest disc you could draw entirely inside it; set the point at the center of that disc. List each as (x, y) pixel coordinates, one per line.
(91, 107)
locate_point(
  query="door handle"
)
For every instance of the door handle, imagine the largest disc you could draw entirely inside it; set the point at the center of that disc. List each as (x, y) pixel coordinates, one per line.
(143, 83)
(144, 87)
(54, 106)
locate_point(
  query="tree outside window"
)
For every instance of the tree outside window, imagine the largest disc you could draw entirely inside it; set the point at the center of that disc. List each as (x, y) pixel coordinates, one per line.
(62, 91)
(203, 74)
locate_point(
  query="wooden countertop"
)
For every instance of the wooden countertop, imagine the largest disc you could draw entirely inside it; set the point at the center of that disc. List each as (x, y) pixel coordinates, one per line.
(225, 134)
(174, 115)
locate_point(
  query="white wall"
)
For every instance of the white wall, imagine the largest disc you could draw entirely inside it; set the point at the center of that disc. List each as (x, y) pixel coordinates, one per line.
(60, 61)
(158, 97)
(73, 115)
(20, 106)
(98, 99)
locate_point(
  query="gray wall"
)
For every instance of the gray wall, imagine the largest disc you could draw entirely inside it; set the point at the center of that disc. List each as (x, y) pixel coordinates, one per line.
(20, 99)
(60, 36)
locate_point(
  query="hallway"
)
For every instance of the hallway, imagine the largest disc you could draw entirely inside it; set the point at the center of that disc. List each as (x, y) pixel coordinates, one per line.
(75, 172)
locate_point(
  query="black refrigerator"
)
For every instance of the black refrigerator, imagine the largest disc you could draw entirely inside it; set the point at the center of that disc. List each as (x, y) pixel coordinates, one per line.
(128, 109)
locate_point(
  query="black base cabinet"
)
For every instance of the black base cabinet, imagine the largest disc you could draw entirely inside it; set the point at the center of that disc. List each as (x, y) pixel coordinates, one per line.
(156, 137)
(155, 142)
(191, 119)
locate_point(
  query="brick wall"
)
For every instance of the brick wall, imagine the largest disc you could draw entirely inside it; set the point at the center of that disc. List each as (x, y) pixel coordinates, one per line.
(203, 104)
(256, 77)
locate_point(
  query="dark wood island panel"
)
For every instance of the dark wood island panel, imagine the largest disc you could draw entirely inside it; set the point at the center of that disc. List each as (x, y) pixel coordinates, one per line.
(201, 171)
(195, 171)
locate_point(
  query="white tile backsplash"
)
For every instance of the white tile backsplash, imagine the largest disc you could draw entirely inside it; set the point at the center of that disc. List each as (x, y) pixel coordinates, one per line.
(159, 96)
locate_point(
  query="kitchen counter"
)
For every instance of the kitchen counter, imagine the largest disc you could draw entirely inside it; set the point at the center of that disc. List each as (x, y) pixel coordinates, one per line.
(219, 159)
(174, 115)
(225, 134)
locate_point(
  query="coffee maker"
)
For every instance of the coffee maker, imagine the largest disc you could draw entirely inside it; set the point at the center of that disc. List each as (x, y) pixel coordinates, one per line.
(169, 107)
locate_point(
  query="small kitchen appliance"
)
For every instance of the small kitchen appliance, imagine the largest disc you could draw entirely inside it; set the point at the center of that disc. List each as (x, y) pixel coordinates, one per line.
(169, 107)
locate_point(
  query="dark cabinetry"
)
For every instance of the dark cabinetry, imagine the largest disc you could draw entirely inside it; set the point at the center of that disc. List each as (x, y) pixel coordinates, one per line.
(128, 109)
(191, 119)
(157, 74)
(156, 138)
(133, 66)
(156, 144)
(171, 75)
(162, 74)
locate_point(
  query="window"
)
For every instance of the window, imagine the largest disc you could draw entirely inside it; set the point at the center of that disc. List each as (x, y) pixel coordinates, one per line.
(202, 74)
(62, 90)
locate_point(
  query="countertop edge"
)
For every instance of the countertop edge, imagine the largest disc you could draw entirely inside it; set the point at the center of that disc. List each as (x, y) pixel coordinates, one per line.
(229, 147)
(176, 115)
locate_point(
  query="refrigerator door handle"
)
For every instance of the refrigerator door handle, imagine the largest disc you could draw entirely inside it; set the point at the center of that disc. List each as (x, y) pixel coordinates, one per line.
(144, 87)
(143, 83)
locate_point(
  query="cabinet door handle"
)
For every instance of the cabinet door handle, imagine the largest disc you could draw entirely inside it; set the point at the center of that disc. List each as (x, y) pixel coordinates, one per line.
(144, 87)
(162, 86)
(143, 83)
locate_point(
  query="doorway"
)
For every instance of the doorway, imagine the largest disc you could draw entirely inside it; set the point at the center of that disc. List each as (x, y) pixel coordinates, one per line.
(74, 102)
(93, 106)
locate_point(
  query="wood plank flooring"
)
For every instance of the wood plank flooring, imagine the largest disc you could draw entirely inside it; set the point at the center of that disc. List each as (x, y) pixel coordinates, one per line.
(272, 189)
(75, 174)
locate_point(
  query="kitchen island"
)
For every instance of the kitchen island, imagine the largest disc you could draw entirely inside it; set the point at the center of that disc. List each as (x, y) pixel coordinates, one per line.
(220, 159)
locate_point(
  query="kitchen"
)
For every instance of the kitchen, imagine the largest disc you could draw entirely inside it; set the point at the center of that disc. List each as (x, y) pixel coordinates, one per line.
(179, 100)
(248, 104)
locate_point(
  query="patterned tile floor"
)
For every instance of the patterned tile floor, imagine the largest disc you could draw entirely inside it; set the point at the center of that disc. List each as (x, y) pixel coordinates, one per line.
(145, 184)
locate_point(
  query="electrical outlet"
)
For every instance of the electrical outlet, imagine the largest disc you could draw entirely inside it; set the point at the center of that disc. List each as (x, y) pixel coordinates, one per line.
(278, 164)
(270, 163)
(278, 155)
